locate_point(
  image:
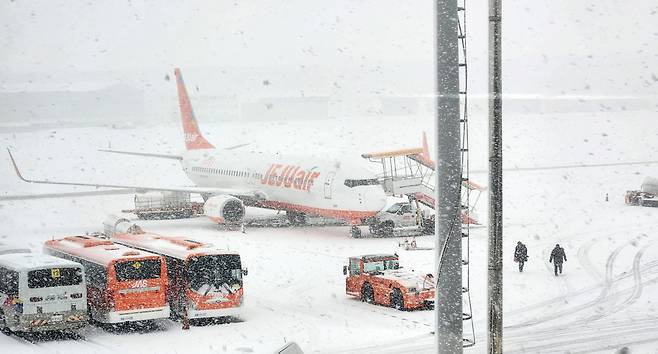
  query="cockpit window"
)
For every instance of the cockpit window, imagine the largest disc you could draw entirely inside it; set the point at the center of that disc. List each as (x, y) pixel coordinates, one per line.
(361, 182)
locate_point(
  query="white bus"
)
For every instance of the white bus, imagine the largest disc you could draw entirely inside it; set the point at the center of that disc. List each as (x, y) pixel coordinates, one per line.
(41, 293)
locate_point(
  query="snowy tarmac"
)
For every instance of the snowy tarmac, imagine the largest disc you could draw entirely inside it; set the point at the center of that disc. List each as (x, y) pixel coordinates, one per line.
(295, 290)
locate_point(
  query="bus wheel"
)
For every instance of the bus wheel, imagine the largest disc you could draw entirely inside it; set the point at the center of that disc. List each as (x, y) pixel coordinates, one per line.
(397, 300)
(367, 295)
(3, 324)
(355, 232)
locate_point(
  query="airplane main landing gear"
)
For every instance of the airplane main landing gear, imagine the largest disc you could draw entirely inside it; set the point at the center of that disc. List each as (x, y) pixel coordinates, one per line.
(296, 218)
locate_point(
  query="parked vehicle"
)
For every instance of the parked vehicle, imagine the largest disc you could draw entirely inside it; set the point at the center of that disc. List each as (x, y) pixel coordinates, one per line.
(646, 196)
(41, 293)
(379, 279)
(205, 281)
(123, 284)
(165, 205)
(403, 218)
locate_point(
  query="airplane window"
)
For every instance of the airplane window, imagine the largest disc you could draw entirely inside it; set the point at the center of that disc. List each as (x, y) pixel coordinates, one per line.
(361, 182)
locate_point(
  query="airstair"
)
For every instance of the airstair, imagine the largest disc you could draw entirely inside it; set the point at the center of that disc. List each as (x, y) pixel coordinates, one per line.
(409, 173)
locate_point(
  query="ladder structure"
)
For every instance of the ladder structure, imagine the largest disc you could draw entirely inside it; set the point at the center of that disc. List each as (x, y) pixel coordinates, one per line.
(411, 173)
(467, 308)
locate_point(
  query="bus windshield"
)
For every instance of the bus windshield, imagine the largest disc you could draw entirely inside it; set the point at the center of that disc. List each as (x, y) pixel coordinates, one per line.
(137, 269)
(214, 271)
(52, 277)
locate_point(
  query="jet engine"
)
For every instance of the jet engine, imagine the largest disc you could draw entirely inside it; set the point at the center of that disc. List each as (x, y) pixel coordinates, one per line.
(224, 209)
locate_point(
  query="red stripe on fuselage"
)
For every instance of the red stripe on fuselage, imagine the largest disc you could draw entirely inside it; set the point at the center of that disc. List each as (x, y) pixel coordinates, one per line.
(353, 216)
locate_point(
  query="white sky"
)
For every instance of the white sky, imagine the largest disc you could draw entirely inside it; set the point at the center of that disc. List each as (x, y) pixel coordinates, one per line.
(550, 46)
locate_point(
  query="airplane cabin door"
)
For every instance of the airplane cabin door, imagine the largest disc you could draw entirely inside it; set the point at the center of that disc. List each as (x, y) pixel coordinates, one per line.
(328, 184)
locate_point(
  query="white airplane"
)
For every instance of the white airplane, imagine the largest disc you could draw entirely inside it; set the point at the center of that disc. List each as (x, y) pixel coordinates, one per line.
(231, 179)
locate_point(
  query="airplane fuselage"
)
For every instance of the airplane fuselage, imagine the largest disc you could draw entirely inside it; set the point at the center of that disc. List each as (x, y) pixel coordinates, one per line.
(296, 183)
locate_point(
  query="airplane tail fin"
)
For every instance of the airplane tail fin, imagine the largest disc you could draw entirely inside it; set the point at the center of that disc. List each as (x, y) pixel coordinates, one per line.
(193, 138)
(425, 155)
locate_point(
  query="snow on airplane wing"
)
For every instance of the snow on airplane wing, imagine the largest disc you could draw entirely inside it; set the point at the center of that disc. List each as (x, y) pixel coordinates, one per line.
(162, 156)
(140, 189)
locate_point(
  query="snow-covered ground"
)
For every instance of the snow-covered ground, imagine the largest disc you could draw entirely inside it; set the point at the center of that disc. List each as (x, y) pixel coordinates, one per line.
(295, 288)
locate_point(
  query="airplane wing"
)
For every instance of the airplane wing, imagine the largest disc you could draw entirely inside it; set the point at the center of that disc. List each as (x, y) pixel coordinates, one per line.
(162, 156)
(140, 189)
(66, 194)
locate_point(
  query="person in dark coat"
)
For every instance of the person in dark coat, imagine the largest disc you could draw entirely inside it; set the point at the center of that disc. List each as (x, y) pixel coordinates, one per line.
(520, 255)
(557, 257)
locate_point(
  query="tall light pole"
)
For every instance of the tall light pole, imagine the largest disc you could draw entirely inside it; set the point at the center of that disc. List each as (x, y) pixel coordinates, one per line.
(495, 279)
(448, 301)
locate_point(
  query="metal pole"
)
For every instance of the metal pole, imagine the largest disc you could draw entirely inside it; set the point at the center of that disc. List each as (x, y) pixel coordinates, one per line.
(495, 282)
(448, 301)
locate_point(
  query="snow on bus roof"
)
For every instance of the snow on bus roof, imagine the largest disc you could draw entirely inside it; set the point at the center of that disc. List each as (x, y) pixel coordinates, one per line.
(96, 250)
(30, 261)
(7, 249)
(173, 246)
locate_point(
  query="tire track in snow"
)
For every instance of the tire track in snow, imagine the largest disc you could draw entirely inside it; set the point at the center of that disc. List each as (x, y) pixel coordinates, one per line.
(601, 299)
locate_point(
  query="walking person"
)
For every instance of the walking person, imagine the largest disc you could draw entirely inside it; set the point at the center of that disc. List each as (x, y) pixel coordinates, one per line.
(557, 257)
(520, 255)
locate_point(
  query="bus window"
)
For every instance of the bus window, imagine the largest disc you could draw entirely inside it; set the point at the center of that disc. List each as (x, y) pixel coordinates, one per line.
(96, 274)
(214, 270)
(8, 282)
(53, 277)
(137, 270)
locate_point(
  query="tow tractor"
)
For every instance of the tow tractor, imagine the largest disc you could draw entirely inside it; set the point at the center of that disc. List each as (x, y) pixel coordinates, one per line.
(379, 279)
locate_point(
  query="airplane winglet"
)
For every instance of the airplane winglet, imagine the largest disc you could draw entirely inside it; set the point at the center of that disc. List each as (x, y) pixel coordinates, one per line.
(18, 172)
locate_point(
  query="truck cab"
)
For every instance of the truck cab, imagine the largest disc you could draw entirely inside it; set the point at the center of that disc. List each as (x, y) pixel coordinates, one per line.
(379, 279)
(402, 218)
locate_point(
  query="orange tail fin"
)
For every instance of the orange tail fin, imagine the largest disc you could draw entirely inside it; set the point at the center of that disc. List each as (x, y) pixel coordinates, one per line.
(193, 138)
(426, 151)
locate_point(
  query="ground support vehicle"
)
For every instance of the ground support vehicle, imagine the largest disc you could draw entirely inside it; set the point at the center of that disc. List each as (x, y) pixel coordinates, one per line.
(646, 196)
(205, 281)
(413, 246)
(379, 279)
(165, 205)
(402, 219)
(123, 284)
(640, 198)
(41, 293)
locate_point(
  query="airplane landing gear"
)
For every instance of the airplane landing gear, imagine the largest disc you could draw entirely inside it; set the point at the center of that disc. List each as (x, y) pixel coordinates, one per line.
(296, 218)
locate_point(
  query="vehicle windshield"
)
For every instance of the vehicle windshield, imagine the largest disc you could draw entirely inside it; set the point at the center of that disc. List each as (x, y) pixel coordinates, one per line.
(380, 266)
(220, 271)
(395, 208)
(52, 277)
(137, 269)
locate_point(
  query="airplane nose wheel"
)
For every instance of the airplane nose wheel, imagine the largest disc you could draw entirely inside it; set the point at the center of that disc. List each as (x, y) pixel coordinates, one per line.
(355, 232)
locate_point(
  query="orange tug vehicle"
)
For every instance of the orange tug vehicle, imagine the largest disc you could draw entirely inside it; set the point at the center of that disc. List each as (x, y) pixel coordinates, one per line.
(379, 279)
